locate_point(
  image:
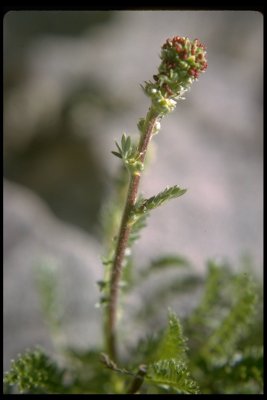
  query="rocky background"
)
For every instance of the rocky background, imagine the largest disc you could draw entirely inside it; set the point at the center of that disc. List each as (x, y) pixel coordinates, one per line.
(71, 87)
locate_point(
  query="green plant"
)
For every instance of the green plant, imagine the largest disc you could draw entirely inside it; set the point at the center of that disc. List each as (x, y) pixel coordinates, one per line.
(222, 353)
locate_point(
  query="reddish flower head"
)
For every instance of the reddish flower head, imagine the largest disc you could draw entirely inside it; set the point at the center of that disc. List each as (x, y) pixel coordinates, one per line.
(182, 63)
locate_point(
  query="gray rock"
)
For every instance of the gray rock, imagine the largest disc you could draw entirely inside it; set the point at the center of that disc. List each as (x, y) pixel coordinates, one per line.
(33, 236)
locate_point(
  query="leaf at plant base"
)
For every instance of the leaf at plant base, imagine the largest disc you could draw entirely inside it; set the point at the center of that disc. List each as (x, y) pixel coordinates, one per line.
(209, 308)
(222, 342)
(173, 342)
(35, 372)
(242, 369)
(172, 373)
(47, 282)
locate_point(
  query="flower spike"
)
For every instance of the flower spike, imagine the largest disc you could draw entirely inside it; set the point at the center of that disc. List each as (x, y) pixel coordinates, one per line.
(182, 62)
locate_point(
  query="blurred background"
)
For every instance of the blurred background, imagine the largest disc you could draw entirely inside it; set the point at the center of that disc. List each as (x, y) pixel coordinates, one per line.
(72, 87)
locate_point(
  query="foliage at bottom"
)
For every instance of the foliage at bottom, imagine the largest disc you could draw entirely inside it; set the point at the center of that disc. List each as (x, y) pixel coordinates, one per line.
(216, 348)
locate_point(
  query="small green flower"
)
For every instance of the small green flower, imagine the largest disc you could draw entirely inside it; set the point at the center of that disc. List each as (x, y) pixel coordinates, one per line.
(182, 62)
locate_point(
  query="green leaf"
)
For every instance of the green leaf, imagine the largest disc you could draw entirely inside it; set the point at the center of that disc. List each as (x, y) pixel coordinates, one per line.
(170, 367)
(169, 261)
(116, 154)
(123, 141)
(156, 201)
(35, 372)
(172, 373)
(126, 145)
(160, 263)
(141, 124)
(47, 281)
(101, 284)
(223, 328)
(137, 226)
(243, 367)
(242, 373)
(173, 343)
(129, 154)
(222, 342)
(118, 147)
(211, 304)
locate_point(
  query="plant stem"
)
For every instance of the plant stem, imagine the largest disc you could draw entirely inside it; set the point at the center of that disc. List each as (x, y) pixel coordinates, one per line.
(138, 380)
(125, 229)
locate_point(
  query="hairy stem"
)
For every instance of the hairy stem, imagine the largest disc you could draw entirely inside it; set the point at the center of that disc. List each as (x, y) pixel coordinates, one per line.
(125, 229)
